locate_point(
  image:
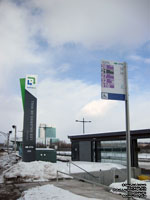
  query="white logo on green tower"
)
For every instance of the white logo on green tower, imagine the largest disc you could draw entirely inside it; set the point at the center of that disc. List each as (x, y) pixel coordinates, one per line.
(31, 82)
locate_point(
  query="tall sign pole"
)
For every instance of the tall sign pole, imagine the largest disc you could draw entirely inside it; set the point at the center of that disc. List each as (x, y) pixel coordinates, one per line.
(127, 129)
(28, 88)
(114, 86)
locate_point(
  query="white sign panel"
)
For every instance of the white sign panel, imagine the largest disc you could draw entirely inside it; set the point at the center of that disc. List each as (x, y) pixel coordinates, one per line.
(31, 84)
(113, 80)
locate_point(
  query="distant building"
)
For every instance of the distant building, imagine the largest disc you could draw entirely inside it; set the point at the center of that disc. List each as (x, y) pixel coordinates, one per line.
(47, 134)
(44, 130)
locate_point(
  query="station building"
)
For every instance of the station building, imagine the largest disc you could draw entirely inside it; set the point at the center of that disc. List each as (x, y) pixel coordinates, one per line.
(106, 147)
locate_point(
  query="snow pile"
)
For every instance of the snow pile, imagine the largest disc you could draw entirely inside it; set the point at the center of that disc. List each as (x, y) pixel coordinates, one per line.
(44, 171)
(120, 186)
(64, 153)
(50, 192)
(144, 155)
(7, 160)
(64, 158)
(93, 166)
(32, 171)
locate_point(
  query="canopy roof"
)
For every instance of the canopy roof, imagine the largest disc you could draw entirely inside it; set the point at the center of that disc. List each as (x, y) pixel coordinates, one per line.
(121, 135)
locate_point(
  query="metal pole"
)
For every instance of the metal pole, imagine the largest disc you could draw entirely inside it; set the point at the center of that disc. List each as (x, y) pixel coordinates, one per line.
(15, 137)
(83, 126)
(128, 150)
(83, 121)
(45, 134)
(15, 127)
(57, 177)
(8, 143)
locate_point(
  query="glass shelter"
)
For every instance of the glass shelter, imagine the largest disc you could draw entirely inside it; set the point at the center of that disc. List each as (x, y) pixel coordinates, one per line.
(106, 147)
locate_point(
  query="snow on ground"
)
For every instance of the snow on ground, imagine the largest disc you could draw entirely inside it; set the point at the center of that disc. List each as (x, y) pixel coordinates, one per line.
(64, 158)
(6, 161)
(145, 165)
(32, 171)
(50, 192)
(93, 166)
(44, 171)
(68, 153)
(144, 155)
(116, 186)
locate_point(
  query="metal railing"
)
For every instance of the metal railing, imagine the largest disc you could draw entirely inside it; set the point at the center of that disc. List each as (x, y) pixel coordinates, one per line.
(81, 169)
(83, 179)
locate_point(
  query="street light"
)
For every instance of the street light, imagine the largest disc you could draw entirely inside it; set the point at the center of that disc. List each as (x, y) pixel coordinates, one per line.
(83, 121)
(6, 135)
(8, 141)
(15, 127)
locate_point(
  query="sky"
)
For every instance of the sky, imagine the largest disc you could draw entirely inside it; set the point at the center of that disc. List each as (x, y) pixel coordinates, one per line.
(64, 42)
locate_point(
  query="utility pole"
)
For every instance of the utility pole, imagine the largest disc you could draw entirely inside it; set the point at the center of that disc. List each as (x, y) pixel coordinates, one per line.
(8, 136)
(15, 127)
(83, 121)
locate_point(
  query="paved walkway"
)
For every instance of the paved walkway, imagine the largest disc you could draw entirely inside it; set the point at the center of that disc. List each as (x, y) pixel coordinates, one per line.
(87, 190)
(13, 191)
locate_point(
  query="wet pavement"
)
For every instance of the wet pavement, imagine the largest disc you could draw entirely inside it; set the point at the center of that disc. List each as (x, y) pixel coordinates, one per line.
(9, 192)
(87, 190)
(14, 191)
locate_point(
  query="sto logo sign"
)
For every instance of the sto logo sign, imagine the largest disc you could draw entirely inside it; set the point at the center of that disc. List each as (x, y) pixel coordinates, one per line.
(31, 81)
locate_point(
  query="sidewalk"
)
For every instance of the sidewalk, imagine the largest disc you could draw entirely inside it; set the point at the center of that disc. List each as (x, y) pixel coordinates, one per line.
(87, 190)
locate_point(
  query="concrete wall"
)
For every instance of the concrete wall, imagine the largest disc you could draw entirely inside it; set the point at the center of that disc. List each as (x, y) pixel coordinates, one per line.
(109, 176)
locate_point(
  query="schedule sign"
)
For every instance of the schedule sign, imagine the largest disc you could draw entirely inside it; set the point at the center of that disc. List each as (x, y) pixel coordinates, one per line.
(114, 86)
(113, 80)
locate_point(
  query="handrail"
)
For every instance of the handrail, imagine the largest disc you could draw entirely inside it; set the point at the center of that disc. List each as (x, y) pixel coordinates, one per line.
(88, 181)
(82, 169)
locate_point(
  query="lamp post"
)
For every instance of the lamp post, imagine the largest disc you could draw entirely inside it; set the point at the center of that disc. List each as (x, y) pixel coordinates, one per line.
(15, 127)
(6, 135)
(8, 141)
(83, 121)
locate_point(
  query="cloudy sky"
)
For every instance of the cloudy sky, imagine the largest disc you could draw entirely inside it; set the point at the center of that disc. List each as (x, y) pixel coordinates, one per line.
(63, 42)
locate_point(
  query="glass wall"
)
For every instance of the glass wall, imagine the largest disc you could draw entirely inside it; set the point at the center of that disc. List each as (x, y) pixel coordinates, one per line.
(111, 151)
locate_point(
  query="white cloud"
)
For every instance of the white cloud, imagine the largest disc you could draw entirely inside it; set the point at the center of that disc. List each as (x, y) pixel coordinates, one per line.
(97, 108)
(139, 59)
(11, 113)
(64, 67)
(60, 101)
(60, 22)
(139, 111)
(17, 45)
(96, 23)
